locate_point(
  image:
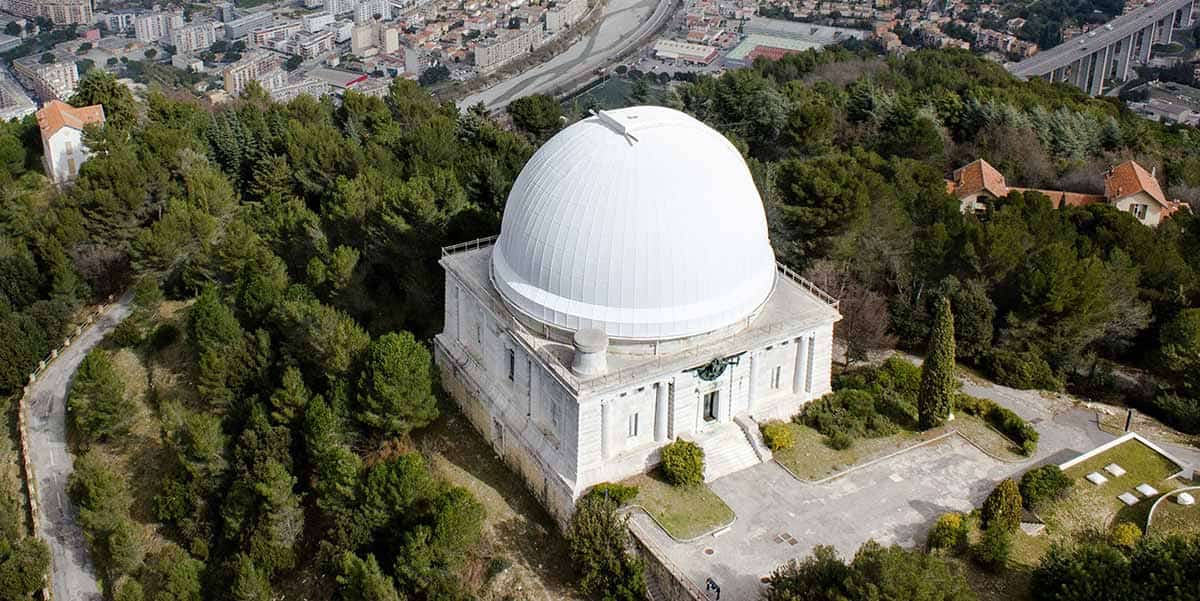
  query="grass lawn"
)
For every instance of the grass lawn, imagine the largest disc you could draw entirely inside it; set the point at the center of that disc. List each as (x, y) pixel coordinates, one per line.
(1091, 508)
(986, 437)
(684, 513)
(518, 534)
(1173, 518)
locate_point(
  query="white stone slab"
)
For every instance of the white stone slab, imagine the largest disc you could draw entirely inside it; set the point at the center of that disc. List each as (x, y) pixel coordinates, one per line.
(1146, 490)
(1114, 469)
(1096, 478)
(1185, 499)
(1128, 498)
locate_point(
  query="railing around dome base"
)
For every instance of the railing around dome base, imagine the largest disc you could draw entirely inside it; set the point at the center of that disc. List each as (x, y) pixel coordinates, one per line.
(807, 285)
(468, 246)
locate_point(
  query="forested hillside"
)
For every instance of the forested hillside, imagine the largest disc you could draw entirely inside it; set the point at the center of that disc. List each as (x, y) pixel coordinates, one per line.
(296, 247)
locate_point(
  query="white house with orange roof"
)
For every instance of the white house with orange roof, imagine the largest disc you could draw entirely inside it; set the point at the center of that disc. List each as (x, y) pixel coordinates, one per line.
(62, 137)
(1128, 187)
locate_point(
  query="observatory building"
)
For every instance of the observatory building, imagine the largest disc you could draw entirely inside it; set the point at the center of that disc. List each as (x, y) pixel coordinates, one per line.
(632, 298)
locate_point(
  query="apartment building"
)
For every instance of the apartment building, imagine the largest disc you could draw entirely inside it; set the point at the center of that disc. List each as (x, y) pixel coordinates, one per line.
(259, 65)
(50, 81)
(505, 46)
(155, 27)
(194, 37)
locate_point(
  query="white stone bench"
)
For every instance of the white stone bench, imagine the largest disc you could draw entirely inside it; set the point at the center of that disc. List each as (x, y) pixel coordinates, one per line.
(1128, 498)
(1114, 469)
(1146, 490)
(1096, 478)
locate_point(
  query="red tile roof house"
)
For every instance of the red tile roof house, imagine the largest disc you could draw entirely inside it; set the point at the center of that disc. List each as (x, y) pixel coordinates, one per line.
(1128, 187)
(62, 137)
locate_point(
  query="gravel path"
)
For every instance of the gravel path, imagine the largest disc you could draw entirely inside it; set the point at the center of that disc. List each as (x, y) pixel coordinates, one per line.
(72, 574)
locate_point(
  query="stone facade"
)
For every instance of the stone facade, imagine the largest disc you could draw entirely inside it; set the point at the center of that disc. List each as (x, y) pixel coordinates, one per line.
(565, 433)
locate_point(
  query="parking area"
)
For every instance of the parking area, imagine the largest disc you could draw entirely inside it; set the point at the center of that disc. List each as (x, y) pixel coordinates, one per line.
(780, 518)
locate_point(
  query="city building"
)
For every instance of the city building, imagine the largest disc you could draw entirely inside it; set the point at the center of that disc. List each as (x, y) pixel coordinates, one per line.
(62, 137)
(632, 298)
(257, 65)
(154, 27)
(308, 45)
(1127, 186)
(241, 27)
(507, 44)
(194, 37)
(564, 14)
(14, 102)
(306, 85)
(696, 54)
(226, 11)
(118, 21)
(275, 32)
(338, 7)
(50, 81)
(365, 10)
(363, 38)
(317, 21)
(60, 12)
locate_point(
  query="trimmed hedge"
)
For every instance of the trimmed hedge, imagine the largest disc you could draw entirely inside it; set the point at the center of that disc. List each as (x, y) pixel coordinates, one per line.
(1043, 484)
(683, 463)
(1008, 423)
(777, 435)
(620, 493)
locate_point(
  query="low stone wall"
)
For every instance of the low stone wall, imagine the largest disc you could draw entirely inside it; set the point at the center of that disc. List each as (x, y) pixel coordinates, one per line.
(30, 479)
(661, 575)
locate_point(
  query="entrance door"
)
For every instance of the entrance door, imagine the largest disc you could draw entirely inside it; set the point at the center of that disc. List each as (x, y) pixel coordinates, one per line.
(710, 406)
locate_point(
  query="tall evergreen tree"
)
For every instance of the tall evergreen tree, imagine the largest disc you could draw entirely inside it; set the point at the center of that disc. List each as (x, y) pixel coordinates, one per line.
(937, 375)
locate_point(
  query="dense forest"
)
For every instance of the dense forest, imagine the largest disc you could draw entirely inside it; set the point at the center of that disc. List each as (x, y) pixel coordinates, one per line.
(302, 239)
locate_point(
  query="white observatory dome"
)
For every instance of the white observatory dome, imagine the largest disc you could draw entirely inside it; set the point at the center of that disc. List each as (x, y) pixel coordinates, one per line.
(641, 222)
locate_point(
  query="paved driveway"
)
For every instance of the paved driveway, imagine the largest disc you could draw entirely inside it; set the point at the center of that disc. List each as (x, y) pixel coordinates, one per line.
(893, 501)
(72, 574)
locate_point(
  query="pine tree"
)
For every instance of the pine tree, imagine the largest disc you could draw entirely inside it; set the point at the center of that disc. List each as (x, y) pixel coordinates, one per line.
(937, 375)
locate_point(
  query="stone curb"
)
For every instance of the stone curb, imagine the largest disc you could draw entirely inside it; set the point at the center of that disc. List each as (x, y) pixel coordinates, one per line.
(1161, 498)
(714, 532)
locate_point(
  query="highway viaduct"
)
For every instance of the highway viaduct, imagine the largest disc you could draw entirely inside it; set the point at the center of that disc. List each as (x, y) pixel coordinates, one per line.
(1108, 52)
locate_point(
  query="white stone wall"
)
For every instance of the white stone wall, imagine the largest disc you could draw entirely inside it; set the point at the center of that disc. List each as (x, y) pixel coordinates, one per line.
(1153, 209)
(64, 154)
(561, 445)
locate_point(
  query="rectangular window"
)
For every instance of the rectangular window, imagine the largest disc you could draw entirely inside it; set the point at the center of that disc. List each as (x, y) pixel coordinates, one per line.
(71, 166)
(633, 425)
(776, 376)
(512, 365)
(70, 147)
(710, 405)
(1139, 210)
(555, 413)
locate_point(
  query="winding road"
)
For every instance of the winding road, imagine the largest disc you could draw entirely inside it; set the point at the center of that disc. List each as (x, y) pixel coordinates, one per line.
(73, 577)
(624, 25)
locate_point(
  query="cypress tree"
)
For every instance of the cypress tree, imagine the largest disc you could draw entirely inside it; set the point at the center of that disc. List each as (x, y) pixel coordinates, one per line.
(937, 375)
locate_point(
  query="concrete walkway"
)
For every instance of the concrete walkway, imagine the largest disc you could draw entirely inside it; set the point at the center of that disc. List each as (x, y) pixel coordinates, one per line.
(893, 501)
(72, 574)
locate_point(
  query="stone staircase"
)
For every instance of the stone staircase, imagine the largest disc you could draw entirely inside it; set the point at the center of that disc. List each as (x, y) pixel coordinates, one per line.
(726, 450)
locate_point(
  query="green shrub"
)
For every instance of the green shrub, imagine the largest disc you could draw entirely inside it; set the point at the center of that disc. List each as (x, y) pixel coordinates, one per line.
(1008, 423)
(778, 436)
(1043, 484)
(849, 411)
(598, 539)
(164, 335)
(1180, 413)
(839, 441)
(127, 334)
(620, 493)
(994, 547)
(1026, 370)
(893, 386)
(1002, 508)
(949, 532)
(683, 463)
(1125, 535)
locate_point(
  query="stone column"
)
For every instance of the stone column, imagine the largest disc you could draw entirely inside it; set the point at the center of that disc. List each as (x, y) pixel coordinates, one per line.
(1080, 72)
(1123, 55)
(605, 426)
(798, 372)
(753, 381)
(1058, 74)
(660, 412)
(1102, 63)
(1147, 42)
